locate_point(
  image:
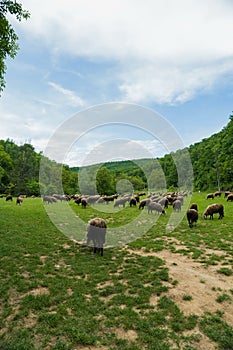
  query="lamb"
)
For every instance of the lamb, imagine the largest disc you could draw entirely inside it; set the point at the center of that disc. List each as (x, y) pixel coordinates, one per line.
(214, 209)
(156, 207)
(96, 232)
(210, 195)
(230, 197)
(192, 216)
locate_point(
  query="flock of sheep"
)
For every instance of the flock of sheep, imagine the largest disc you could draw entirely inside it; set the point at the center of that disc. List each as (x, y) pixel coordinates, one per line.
(96, 227)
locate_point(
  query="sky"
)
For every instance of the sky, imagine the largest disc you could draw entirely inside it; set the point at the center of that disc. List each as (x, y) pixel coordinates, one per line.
(112, 80)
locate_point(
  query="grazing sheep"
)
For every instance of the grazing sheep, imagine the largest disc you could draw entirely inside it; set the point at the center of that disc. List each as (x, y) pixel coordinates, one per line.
(227, 194)
(193, 206)
(84, 203)
(177, 205)
(156, 207)
(96, 232)
(181, 199)
(9, 198)
(136, 196)
(143, 203)
(210, 195)
(133, 202)
(230, 197)
(192, 216)
(121, 201)
(108, 199)
(49, 199)
(214, 209)
(217, 194)
(164, 202)
(92, 199)
(19, 200)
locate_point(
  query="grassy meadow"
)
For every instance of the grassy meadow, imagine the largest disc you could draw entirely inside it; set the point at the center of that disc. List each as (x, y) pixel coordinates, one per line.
(56, 294)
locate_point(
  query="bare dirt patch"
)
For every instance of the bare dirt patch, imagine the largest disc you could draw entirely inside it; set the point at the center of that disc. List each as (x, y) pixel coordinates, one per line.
(204, 285)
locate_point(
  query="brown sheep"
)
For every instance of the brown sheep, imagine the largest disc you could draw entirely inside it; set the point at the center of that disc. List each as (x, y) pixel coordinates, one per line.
(84, 203)
(230, 197)
(210, 195)
(9, 198)
(227, 194)
(192, 216)
(214, 209)
(96, 232)
(193, 206)
(217, 194)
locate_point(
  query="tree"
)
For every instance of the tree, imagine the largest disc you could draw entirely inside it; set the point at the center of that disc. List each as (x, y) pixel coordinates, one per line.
(104, 182)
(8, 37)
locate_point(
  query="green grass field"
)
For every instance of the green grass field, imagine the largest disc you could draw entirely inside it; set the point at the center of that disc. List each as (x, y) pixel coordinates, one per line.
(57, 294)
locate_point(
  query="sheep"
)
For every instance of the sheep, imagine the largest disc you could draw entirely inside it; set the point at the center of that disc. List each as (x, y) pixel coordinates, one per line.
(92, 199)
(217, 194)
(227, 194)
(108, 199)
(177, 205)
(143, 203)
(193, 206)
(192, 216)
(230, 197)
(156, 207)
(84, 203)
(164, 202)
(19, 200)
(214, 209)
(210, 195)
(133, 202)
(9, 198)
(49, 199)
(96, 232)
(122, 201)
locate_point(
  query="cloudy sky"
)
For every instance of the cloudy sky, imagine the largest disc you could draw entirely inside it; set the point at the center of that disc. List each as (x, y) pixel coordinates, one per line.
(170, 58)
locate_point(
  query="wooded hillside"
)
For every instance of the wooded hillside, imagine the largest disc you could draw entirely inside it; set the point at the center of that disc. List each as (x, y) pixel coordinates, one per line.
(212, 162)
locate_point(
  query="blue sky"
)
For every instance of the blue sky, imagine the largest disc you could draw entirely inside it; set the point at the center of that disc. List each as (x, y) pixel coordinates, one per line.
(171, 57)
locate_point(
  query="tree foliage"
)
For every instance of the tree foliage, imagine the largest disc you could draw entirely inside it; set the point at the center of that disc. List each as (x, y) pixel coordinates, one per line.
(8, 37)
(21, 170)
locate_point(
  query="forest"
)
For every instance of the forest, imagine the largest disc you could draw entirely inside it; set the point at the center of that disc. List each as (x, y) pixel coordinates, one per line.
(24, 171)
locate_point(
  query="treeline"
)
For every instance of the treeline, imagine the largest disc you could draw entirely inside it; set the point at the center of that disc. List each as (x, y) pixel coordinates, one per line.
(23, 171)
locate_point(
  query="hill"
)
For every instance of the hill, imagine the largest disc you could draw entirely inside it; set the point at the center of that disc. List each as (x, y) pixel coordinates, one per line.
(211, 159)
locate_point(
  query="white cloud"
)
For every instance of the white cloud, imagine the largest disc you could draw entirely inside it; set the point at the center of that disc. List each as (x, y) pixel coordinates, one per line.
(165, 51)
(70, 96)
